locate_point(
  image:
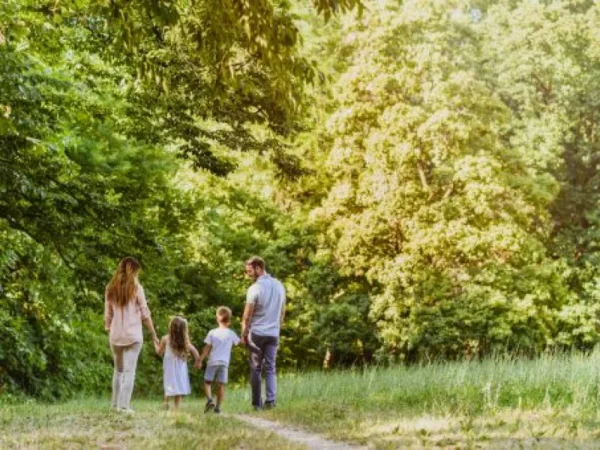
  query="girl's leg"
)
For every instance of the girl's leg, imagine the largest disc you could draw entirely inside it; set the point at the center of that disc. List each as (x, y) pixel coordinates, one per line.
(177, 401)
(220, 394)
(130, 357)
(117, 374)
(166, 403)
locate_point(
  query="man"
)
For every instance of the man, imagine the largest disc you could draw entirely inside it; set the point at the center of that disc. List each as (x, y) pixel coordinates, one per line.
(261, 323)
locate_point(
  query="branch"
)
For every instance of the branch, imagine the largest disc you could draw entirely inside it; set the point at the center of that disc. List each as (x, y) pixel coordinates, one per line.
(18, 226)
(422, 176)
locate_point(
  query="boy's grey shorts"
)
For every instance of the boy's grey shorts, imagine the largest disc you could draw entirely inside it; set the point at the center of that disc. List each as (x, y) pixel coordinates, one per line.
(218, 373)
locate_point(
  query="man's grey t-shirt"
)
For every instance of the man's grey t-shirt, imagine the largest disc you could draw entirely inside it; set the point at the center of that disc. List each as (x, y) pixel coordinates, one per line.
(267, 295)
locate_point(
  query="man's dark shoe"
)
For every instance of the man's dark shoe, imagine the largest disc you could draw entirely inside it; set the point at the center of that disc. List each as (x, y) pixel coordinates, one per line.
(269, 405)
(210, 404)
(257, 408)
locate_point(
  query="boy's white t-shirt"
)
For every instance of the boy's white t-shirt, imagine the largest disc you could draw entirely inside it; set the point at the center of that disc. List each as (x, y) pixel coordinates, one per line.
(221, 340)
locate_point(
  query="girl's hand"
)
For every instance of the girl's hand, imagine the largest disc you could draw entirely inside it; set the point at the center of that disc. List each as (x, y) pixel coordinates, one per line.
(198, 364)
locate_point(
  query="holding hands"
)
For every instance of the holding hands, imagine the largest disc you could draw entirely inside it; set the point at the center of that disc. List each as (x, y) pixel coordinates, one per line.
(197, 357)
(159, 345)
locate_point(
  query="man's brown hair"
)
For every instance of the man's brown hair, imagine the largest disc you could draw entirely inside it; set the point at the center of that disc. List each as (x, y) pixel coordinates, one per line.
(256, 261)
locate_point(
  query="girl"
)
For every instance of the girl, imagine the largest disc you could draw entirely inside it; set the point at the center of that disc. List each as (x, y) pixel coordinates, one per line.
(175, 347)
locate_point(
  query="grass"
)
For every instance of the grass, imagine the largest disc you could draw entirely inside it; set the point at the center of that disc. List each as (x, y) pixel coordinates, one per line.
(551, 402)
(89, 423)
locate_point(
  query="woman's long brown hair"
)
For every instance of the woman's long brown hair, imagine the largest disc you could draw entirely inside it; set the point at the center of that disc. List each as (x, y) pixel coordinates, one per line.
(122, 287)
(178, 336)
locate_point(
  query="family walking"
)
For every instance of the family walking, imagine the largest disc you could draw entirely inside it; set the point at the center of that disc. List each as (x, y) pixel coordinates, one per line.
(126, 311)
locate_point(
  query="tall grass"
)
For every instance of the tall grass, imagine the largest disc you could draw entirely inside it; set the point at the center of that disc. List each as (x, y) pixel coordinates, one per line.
(549, 402)
(550, 381)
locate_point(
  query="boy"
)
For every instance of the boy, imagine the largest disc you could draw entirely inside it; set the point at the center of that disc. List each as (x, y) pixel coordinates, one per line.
(218, 343)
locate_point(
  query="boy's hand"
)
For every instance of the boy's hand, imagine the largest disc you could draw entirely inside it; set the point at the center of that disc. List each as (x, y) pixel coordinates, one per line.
(198, 364)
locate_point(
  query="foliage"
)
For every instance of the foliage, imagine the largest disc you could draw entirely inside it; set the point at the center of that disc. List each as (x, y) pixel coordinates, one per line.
(422, 176)
(447, 165)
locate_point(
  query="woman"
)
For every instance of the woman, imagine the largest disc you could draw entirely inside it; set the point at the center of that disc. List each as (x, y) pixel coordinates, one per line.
(125, 310)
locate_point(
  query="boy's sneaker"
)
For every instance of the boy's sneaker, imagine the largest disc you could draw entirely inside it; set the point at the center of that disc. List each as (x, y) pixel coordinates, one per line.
(210, 404)
(217, 410)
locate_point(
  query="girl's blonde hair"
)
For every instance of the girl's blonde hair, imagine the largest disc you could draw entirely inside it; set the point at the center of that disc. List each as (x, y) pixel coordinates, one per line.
(179, 338)
(123, 285)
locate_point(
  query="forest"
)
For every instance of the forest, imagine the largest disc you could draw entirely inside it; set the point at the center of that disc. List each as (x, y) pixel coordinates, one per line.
(422, 175)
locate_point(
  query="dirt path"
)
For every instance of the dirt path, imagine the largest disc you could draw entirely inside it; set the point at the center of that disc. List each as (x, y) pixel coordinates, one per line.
(310, 440)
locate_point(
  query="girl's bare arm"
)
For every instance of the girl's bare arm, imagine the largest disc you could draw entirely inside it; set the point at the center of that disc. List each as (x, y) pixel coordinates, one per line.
(193, 351)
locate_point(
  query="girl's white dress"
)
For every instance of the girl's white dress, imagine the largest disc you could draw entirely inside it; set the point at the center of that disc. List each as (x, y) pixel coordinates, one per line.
(175, 374)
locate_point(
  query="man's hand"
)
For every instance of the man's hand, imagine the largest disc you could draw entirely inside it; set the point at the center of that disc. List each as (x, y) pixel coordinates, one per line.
(246, 318)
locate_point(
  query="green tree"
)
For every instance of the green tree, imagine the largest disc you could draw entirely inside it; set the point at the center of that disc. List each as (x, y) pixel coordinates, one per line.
(429, 200)
(543, 61)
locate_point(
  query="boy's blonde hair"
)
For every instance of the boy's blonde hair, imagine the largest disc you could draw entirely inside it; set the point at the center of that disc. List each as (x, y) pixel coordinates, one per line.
(224, 314)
